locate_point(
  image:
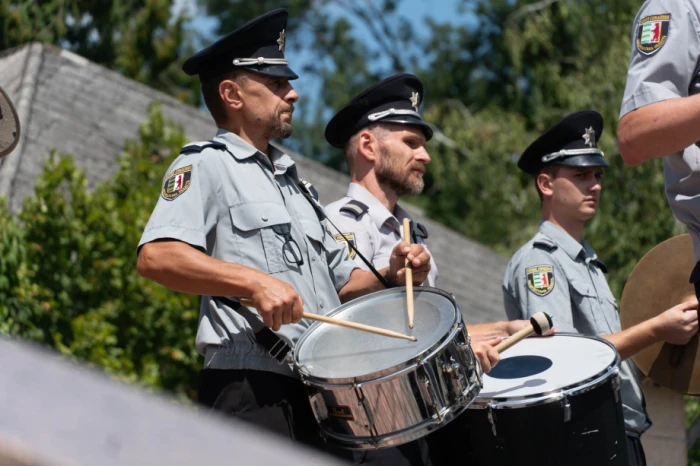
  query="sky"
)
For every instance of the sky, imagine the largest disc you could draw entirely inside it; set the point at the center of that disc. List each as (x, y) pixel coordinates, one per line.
(441, 11)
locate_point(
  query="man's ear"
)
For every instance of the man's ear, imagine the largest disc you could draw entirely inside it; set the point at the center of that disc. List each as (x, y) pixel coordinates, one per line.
(367, 146)
(231, 94)
(544, 183)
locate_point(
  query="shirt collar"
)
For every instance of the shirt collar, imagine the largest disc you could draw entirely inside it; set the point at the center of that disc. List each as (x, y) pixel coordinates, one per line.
(239, 148)
(379, 214)
(562, 239)
(242, 150)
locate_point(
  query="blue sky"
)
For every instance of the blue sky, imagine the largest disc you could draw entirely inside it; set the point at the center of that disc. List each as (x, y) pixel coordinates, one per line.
(441, 11)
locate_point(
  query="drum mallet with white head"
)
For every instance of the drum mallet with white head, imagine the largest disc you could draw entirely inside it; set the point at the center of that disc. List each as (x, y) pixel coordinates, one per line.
(540, 324)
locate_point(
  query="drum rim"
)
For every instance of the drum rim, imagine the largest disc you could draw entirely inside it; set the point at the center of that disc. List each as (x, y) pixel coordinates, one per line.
(557, 394)
(397, 369)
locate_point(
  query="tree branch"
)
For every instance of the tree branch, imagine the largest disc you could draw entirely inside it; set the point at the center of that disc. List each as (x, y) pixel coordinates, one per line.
(529, 9)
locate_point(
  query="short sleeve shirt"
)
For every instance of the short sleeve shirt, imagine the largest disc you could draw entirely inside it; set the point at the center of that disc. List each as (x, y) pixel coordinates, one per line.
(556, 274)
(665, 64)
(238, 205)
(375, 233)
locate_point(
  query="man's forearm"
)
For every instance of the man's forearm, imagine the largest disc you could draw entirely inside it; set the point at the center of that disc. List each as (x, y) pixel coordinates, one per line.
(659, 129)
(361, 283)
(633, 339)
(480, 332)
(181, 267)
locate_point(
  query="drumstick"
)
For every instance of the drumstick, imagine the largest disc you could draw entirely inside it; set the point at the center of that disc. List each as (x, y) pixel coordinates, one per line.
(540, 324)
(409, 273)
(346, 323)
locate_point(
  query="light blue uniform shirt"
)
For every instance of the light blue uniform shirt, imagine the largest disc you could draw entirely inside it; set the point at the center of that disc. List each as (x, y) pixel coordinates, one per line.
(665, 64)
(237, 206)
(376, 232)
(556, 274)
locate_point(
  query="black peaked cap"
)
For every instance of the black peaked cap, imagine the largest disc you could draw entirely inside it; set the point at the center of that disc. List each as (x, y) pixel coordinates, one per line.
(396, 99)
(573, 141)
(258, 39)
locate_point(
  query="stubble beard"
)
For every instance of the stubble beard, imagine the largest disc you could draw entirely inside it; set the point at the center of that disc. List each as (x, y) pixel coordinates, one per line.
(276, 129)
(389, 173)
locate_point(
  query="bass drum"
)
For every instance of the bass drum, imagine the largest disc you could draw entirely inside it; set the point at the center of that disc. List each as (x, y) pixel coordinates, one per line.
(549, 401)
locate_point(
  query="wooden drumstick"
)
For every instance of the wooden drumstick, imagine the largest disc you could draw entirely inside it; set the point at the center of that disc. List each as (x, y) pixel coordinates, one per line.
(540, 324)
(346, 323)
(409, 273)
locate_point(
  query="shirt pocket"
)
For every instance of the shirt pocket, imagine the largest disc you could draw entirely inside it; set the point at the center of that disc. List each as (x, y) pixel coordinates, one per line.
(584, 303)
(315, 233)
(262, 228)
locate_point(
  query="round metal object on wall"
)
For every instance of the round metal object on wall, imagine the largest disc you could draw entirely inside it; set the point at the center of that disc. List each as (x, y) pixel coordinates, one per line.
(659, 281)
(9, 125)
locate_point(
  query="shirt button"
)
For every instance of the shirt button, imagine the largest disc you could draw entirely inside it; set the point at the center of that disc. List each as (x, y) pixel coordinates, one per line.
(320, 303)
(264, 218)
(313, 259)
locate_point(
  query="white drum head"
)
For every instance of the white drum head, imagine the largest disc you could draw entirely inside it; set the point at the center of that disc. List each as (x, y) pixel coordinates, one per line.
(540, 365)
(332, 352)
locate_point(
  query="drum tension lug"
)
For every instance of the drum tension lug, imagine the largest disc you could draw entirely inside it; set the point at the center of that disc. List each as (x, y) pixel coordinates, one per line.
(567, 408)
(616, 381)
(489, 415)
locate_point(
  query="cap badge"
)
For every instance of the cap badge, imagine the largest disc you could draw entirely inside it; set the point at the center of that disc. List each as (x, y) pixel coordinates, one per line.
(589, 137)
(415, 100)
(281, 41)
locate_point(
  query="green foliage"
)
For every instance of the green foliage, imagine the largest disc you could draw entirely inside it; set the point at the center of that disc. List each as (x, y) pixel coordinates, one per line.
(69, 269)
(494, 82)
(138, 38)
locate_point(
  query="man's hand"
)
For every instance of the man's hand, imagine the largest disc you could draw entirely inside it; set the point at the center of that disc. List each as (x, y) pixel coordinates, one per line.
(419, 260)
(485, 353)
(678, 324)
(277, 302)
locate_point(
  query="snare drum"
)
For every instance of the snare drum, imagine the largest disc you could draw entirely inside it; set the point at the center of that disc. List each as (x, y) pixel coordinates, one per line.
(549, 401)
(368, 391)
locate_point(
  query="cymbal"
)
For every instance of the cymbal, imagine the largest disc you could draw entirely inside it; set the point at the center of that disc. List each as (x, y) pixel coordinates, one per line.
(9, 125)
(658, 282)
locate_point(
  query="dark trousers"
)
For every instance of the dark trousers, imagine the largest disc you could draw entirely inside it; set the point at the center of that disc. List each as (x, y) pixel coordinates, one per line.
(272, 401)
(280, 404)
(636, 452)
(409, 454)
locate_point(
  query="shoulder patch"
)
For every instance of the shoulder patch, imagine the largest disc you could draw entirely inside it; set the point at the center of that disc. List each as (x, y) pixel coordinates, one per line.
(355, 208)
(343, 239)
(199, 146)
(545, 244)
(652, 33)
(177, 183)
(540, 279)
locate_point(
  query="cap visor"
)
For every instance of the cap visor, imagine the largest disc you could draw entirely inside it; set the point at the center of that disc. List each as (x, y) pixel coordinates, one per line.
(278, 71)
(410, 120)
(593, 160)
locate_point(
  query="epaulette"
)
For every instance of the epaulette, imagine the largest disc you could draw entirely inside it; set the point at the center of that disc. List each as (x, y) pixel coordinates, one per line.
(419, 230)
(544, 244)
(199, 146)
(355, 208)
(601, 266)
(309, 188)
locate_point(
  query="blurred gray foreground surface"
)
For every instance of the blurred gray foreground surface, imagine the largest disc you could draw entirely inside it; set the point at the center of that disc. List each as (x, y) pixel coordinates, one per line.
(55, 413)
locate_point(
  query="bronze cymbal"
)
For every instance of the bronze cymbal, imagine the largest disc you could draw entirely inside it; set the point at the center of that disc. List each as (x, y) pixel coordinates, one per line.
(9, 125)
(658, 282)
